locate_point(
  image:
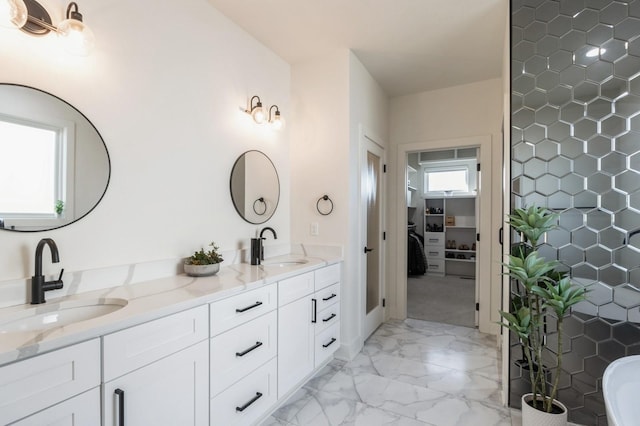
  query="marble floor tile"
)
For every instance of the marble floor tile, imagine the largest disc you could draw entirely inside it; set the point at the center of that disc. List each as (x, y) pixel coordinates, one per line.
(409, 373)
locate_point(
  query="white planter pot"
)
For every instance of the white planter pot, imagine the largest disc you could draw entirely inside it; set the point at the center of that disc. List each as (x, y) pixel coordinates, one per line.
(533, 417)
(201, 270)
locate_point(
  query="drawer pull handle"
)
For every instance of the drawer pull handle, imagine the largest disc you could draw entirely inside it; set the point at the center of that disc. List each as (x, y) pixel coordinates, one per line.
(255, 305)
(434, 240)
(332, 316)
(433, 253)
(245, 406)
(333, 340)
(330, 297)
(314, 311)
(246, 351)
(120, 394)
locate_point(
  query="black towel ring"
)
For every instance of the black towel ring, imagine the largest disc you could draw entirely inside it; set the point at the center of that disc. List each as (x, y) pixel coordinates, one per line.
(261, 200)
(324, 198)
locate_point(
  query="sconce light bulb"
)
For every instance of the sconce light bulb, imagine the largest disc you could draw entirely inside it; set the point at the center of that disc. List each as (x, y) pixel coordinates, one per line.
(278, 122)
(258, 113)
(13, 13)
(77, 37)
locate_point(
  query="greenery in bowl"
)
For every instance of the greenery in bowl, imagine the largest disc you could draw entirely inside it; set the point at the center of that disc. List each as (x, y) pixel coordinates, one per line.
(202, 257)
(542, 294)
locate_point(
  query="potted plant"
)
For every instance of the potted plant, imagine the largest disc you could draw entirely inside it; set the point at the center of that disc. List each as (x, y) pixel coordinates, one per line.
(203, 263)
(542, 293)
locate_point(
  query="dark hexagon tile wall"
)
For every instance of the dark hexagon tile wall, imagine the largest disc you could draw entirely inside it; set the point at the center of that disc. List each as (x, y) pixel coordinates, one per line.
(575, 71)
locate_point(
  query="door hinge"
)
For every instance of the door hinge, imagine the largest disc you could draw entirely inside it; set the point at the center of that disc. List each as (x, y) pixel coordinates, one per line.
(478, 166)
(384, 302)
(384, 236)
(384, 168)
(477, 306)
(478, 237)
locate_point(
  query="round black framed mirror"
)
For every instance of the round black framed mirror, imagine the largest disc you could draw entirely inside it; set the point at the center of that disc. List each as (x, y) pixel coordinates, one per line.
(54, 167)
(255, 187)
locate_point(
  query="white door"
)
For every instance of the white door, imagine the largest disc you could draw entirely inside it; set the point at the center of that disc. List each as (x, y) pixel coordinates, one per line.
(371, 202)
(171, 391)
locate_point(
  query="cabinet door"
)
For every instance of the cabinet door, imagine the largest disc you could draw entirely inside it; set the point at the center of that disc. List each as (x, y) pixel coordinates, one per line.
(80, 410)
(171, 391)
(295, 343)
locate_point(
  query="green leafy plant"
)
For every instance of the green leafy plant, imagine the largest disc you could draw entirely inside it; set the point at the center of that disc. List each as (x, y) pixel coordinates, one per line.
(59, 206)
(541, 291)
(202, 257)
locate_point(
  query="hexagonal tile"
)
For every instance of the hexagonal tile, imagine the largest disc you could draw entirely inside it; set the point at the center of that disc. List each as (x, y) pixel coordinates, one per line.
(584, 238)
(559, 166)
(626, 333)
(599, 34)
(611, 311)
(613, 126)
(599, 257)
(613, 201)
(523, 16)
(599, 182)
(585, 19)
(599, 108)
(627, 297)
(523, 84)
(634, 47)
(534, 31)
(611, 237)
(634, 10)
(535, 198)
(600, 294)
(523, 50)
(547, 80)
(570, 255)
(559, 26)
(599, 146)
(559, 237)
(587, 55)
(613, 50)
(628, 181)
(627, 67)
(585, 165)
(585, 128)
(572, 147)
(627, 106)
(572, 183)
(613, 163)
(628, 143)
(634, 162)
(634, 84)
(571, 220)
(614, 88)
(559, 95)
(634, 201)
(595, 366)
(596, 330)
(598, 220)
(572, 111)
(535, 99)
(599, 71)
(546, 150)
(560, 60)
(585, 199)
(627, 219)
(523, 185)
(614, 13)
(534, 168)
(571, 7)
(516, 35)
(586, 91)
(573, 40)
(522, 151)
(516, 101)
(535, 133)
(627, 29)
(547, 114)
(535, 65)
(547, 11)
(523, 118)
(586, 271)
(558, 131)
(560, 199)
(611, 350)
(547, 45)
(613, 275)
(547, 184)
(573, 75)
(626, 257)
(634, 277)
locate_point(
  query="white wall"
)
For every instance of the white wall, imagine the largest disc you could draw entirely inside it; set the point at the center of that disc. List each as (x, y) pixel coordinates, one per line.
(457, 112)
(164, 87)
(331, 97)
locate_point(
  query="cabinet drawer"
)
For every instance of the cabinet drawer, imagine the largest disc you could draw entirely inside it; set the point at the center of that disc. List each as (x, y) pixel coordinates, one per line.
(237, 352)
(327, 317)
(327, 276)
(143, 344)
(434, 238)
(42, 381)
(328, 296)
(236, 310)
(247, 400)
(294, 288)
(434, 252)
(326, 343)
(83, 409)
(435, 266)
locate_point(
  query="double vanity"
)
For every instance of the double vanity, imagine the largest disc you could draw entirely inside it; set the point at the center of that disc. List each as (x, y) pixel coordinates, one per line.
(220, 350)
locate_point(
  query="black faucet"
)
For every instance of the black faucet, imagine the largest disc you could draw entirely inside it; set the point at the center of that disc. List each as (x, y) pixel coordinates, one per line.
(38, 284)
(257, 250)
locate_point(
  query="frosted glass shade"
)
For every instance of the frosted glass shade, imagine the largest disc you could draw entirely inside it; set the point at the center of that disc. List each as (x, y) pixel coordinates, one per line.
(77, 37)
(13, 13)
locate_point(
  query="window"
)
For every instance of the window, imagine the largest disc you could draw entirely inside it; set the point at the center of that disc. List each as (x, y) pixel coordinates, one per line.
(453, 177)
(447, 181)
(32, 168)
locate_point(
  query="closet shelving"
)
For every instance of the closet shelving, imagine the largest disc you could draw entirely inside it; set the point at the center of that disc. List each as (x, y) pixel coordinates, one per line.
(450, 235)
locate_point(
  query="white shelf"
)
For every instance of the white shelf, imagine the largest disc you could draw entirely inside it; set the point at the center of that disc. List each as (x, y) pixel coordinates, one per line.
(460, 260)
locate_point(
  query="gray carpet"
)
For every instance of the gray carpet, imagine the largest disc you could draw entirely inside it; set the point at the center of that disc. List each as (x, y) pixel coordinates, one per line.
(448, 299)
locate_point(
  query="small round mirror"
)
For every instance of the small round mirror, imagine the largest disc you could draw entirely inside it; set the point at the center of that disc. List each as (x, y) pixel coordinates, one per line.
(255, 187)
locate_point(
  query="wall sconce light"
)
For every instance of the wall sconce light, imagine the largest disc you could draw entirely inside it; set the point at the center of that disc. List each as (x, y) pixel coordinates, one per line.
(277, 122)
(256, 111)
(32, 18)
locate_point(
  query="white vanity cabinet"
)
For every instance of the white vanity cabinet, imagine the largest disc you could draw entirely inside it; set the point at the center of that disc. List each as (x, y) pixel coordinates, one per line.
(243, 350)
(157, 372)
(51, 382)
(308, 324)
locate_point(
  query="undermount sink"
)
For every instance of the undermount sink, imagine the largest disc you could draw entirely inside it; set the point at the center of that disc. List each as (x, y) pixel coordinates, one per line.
(621, 386)
(43, 317)
(282, 263)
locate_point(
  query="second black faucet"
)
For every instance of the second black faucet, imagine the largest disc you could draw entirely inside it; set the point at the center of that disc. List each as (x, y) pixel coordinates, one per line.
(257, 250)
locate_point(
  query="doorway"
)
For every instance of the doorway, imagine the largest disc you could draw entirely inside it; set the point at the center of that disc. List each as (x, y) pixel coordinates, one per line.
(372, 219)
(442, 229)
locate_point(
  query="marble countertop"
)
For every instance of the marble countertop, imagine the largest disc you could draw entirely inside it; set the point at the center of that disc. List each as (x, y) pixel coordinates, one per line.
(146, 301)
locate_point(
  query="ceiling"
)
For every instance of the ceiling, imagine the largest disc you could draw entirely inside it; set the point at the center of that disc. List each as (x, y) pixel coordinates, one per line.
(408, 46)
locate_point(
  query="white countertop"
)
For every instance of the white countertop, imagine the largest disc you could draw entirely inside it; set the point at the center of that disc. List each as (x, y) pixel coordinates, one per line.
(146, 301)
